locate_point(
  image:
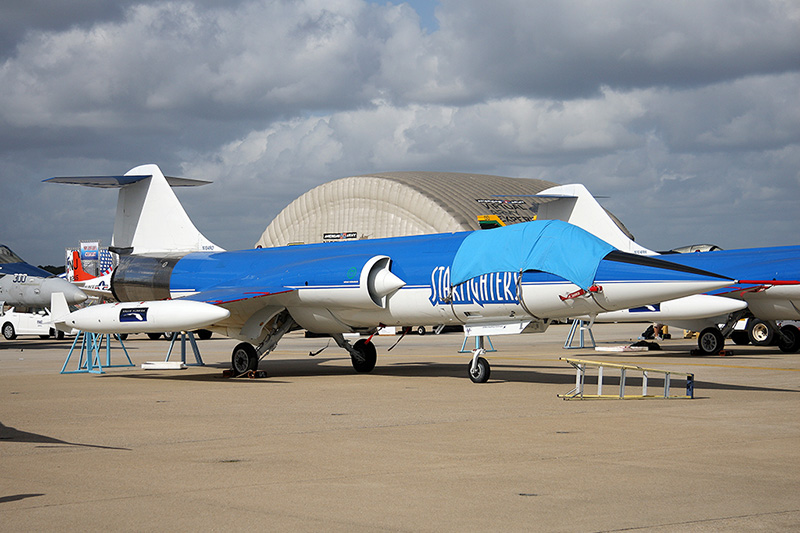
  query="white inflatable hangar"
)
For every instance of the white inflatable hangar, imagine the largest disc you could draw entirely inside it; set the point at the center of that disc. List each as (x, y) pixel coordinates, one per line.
(394, 204)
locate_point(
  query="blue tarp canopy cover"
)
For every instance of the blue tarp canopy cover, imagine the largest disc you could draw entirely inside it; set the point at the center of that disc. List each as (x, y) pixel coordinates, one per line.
(550, 246)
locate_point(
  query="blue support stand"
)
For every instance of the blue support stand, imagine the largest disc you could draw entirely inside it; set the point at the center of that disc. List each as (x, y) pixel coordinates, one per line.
(577, 325)
(479, 344)
(89, 361)
(184, 335)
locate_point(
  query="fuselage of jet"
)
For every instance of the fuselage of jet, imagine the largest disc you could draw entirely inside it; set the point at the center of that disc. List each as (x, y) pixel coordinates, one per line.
(22, 284)
(768, 278)
(332, 288)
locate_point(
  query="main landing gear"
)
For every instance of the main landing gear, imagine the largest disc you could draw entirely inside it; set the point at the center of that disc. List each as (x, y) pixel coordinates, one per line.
(245, 356)
(758, 332)
(362, 354)
(244, 359)
(710, 341)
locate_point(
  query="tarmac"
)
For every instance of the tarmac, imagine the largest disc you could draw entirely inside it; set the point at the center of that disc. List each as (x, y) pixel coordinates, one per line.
(412, 446)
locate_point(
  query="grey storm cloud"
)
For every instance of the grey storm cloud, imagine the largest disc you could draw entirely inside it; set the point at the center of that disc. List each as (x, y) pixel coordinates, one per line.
(573, 48)
(684, 113)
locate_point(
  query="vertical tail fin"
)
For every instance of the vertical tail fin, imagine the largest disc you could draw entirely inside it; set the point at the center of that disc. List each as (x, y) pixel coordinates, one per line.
(576, 205)
(59, 310)
(78, 273)
(149, 219)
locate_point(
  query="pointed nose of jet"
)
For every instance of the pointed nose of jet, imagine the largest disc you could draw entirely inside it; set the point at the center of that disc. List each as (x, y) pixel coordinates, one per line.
(651, 280)
(72, 293)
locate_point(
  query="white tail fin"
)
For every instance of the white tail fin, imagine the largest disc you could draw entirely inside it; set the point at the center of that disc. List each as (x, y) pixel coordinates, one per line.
(150, 219)
(59, 310)
(576, 205)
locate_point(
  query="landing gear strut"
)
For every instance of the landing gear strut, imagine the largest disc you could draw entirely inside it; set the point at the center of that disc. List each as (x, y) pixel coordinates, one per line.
(362, 354)
(369, 356)
(710, 341)
(245, 356)
(760, 331)
(789, 341)
(479, 369)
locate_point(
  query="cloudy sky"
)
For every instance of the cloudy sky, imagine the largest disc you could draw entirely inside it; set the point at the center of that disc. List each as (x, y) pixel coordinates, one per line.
(684, 115)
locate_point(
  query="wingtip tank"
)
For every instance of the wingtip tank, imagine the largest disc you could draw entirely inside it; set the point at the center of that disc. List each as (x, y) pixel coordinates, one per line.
(146, 317)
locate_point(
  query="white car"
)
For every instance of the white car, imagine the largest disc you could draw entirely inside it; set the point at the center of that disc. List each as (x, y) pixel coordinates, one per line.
(36, 322)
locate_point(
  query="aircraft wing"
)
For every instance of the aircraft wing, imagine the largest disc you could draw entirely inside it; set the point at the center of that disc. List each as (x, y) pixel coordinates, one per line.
(96, 292)
(228, 296)
(251, 308)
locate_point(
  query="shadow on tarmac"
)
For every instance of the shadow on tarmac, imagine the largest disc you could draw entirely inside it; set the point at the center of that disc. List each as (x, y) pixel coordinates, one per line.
(37, 344)
(18, 497)
(8, 433)
(283, 370)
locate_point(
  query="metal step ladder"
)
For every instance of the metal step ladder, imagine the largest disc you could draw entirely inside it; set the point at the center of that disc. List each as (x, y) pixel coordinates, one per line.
(580, 381)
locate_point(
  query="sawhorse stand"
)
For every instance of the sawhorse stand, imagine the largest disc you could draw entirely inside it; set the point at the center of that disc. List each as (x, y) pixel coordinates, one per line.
(577, 325)
(89, 361)
(184, 335)
(479, 344)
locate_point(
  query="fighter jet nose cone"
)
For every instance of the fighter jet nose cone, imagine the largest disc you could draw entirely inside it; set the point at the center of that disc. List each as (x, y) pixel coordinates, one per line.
(74, 295)
(80, 297)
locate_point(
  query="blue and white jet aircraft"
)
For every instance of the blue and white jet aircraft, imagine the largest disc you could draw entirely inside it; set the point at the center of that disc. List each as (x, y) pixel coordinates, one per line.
(504, 280)
(768, 287)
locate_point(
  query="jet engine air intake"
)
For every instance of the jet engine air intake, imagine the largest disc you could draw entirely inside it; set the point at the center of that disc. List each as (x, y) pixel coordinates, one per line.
(375, 283)
(141, 278)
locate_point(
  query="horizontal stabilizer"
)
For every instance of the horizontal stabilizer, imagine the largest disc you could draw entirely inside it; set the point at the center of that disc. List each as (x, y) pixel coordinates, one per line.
(150, 219)
(117, 182)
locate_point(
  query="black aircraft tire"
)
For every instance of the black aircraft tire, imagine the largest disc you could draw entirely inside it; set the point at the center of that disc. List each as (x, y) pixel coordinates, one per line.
(790, 340)
(8, 331)
(154, 336)
(368, 352)
(710, 341)
(244, 358)
(421, 330)
(740, 337)
(204, 334)
(760, 332)
(481, 373)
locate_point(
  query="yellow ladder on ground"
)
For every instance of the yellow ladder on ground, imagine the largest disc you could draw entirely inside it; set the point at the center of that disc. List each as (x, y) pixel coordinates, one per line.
(580, 381)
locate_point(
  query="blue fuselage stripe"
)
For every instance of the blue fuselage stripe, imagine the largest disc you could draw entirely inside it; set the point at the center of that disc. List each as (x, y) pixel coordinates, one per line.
(420, 261)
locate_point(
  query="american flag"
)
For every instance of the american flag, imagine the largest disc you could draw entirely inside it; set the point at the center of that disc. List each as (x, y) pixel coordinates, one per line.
(105, 263)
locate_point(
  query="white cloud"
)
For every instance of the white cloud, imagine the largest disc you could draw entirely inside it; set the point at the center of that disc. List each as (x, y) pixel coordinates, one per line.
(678, 111)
